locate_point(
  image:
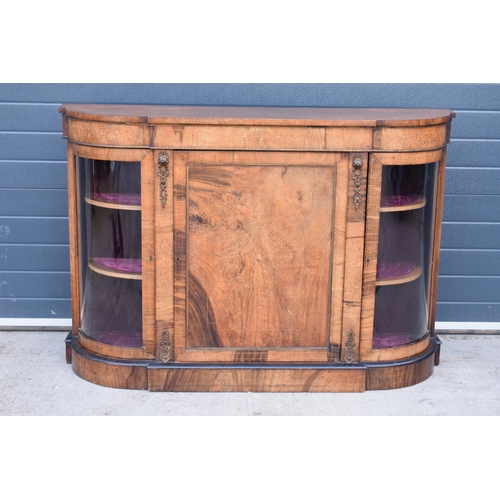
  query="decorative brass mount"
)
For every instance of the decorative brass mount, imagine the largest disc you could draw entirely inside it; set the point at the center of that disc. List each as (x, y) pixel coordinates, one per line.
(350, 345)
(357, 164)
(165, 346)
(163, 173)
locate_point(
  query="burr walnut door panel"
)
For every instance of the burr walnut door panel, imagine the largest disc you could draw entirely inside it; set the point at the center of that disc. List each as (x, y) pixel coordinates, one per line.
(255, 255)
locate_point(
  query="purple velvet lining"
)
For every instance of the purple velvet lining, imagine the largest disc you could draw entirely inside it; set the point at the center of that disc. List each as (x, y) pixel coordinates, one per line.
(120, 339)
(119, 198)
(399, 200)
(391, 270)
(120, 265)
(390, 340)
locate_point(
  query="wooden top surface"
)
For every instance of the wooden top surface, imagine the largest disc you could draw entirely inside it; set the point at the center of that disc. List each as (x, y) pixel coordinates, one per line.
(246, 115)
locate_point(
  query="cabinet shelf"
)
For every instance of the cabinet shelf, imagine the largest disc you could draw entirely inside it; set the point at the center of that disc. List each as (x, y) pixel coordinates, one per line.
(401, 203)
(396, 273)
(117, 268)
(115, 201)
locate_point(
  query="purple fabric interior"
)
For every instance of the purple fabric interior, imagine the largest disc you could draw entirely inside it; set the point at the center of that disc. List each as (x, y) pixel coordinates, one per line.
(120, 339)
(390, 340)
(399, 200)
(390, 270)
(120, 265)
(119, 198)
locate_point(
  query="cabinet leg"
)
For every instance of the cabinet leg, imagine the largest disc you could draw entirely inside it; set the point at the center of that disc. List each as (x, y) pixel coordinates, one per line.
(67, 341)
(438, 350)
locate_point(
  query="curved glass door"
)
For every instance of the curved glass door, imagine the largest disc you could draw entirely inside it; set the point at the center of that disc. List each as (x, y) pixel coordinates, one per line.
(110, 251)
(403, 262)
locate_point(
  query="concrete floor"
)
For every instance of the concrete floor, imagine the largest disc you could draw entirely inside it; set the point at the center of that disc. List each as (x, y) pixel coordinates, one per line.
(35, 380)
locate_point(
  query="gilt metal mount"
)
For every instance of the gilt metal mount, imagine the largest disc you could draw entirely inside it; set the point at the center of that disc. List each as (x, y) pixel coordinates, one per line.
(350, 348)
(163, 172)
(357, 176)
(165, 346)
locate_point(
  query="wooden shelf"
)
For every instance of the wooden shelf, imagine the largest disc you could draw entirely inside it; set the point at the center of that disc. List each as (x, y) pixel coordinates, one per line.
(117, 268)
(397, 273)
(114, 202)
(413, 203)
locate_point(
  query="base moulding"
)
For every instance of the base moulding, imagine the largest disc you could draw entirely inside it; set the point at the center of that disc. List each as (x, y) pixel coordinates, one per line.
(177, 377)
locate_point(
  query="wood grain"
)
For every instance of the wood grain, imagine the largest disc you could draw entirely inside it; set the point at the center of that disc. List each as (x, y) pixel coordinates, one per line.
(259, 250)
(74, 259)
(393, 376)
(353, 277)
(251, 284)
(277, 379)
(106, 204)
(103, 370)
(106, 154)
(259, 268)
(402, 208)
(114, 274)
(409, 138)
(95, 133)
(339, 257)
(416, 273)
(135, 374)
(260, 137)
(148, 235)
(164, 253)
(245, 115)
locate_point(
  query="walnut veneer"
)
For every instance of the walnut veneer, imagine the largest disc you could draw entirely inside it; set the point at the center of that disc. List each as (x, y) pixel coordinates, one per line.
(254, 249)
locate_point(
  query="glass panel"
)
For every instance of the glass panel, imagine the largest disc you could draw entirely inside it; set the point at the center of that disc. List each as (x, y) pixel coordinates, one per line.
(110, 245)
(115, 182)
(403, 262)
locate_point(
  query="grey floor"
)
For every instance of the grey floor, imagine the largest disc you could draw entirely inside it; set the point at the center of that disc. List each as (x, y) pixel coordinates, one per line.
(35, 380)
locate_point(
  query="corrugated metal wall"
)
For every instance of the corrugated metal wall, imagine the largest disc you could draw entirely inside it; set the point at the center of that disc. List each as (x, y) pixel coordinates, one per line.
(34, 276)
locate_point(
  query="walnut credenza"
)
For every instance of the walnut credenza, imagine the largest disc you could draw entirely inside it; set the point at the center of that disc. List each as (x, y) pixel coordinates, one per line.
(254, 249)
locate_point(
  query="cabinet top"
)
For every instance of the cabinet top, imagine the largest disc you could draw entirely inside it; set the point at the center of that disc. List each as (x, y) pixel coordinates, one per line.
(256, 115)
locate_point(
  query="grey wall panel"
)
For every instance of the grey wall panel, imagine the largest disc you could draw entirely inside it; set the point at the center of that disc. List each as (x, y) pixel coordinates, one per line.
(458, 289)
(33, 196)
(466, 312)
(34, 175)
(455, 96)
(473, 153)
(36, 230)
(476, 125)
(470, 236)
(29, 117)
(464, 180)
(471, 208)
(45, 146)
(35, 308)
(34, 202)
(34, 285)
(34, 257)
(469, 263)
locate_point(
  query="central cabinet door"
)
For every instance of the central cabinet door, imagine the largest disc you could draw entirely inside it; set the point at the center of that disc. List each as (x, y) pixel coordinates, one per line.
(254, 256)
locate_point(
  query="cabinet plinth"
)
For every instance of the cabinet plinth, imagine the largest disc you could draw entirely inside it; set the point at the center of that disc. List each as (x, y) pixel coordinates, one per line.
(254, 249)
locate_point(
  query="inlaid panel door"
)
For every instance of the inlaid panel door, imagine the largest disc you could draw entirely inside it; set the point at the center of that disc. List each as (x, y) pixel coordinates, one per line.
(258, 256)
